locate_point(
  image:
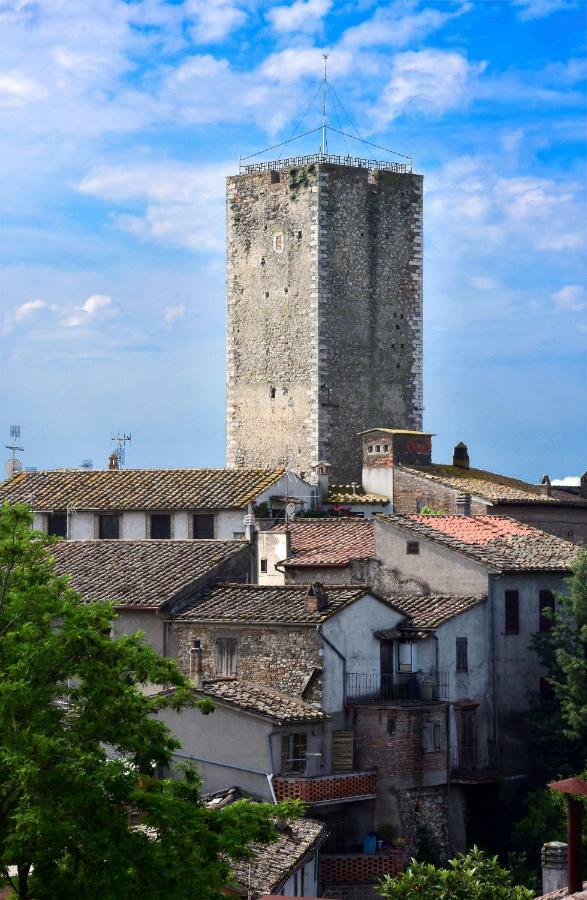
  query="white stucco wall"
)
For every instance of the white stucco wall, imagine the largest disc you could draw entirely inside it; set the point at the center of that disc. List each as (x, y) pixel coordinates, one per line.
(134, 526)
(289, 485)
(306, 883)
(130, 621)
(378, 480)
(433, 569)
(228, 523)
(82, 526)
(351, 632)
(272, 546)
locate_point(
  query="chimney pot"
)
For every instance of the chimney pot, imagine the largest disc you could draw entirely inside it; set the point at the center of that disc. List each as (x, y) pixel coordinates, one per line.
(316, 598)
(460, 456)
(463, 504)
(196, 665)
(545, 486)
(113, 461)
(554, 866)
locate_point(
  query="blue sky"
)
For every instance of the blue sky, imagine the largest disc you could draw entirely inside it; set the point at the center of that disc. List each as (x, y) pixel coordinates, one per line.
(120, 122)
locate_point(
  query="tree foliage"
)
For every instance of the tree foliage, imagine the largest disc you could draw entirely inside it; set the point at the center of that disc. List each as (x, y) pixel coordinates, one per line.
(79, 746)
(471, 876)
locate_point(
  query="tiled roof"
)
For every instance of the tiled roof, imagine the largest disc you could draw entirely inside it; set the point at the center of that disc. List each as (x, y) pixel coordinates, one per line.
(148, 489)
(260, 603)
(490, 486)
(495, 541)
(273, 864)
(431, 610)
(329, 542)
(563, 894)
(138, 573)
(344, 493)
(281, 708)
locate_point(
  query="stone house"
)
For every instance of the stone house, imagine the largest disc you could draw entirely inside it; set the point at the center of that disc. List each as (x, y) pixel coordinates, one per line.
(148, 579)
(398, 464)
(329, 550)
(162, 504)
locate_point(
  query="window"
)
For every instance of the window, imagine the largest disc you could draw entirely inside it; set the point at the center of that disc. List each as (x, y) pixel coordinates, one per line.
(431, 737)
(462, 655)
(238, 535)
(109, 528)
(386, 448)
(377, 448)
(264, 566)
(370, 448)
(272, 393)
(546, 601)
(293, 752)
(512, 612)
(204, 526)
(161, 526)
(412, 548)
(57, 524)
(278, 243)
(406, 656)
(226, 657)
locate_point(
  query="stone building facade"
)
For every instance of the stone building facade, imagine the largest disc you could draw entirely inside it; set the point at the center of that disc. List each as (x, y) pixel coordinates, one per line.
(324, 285)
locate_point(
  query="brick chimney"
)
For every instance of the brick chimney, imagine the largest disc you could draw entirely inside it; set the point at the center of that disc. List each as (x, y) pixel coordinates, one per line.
(323, 472)
(316, 598)
(113, 461)
(545, 487)
(463, 504)
(196, 665)
(460, 456)
(584, 485)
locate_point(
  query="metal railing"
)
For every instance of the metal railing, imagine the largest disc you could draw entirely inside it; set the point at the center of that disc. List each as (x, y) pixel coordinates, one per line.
(465, 757)
(356, 162)
(375, 688)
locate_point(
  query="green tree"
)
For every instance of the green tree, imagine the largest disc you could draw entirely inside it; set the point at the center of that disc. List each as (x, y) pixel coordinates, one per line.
(570, 649)
(474, 876)
(79, 746)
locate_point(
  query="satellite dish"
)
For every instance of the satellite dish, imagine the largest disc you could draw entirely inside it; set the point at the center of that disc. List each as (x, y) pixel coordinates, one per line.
(13, 467)
(290, 510)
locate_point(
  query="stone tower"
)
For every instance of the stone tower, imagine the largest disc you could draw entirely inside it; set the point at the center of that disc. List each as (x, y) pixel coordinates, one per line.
(324, 277)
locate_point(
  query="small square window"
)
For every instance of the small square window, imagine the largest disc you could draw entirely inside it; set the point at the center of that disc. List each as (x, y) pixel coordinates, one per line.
(386, 448)
(264, 566)
(204, 526)
(108, 528)
(299, 235)
(57, 524)
(377, 448)
(160, 526)
(413, 548)
(370, 448)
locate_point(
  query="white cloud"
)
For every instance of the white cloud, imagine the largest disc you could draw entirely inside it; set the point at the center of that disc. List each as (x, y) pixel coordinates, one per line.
(426, 81)
(484, 283)
(17, 89)
(571, 297)
(173, 313)
(215, 19)
(96, 307)
(303, 15)
(538, 9)
(567, 481)
(398, 24)
(293, 64)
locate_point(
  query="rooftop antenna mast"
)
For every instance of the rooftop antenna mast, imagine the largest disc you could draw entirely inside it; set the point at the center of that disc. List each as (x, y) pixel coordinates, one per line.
(324, 91)
(120, 442)
(13, 465)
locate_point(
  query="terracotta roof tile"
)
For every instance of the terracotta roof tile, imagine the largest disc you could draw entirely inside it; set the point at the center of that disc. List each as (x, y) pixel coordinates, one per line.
(281, 708)
(260, 603)
(345, 494)
(495, 541)
(491, 486)
(432, 610)
(139, 573)
(140, 489)
(329, 542)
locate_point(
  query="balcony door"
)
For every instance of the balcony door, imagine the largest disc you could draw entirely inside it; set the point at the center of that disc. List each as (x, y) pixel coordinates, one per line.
(467, 733)
(386, 655)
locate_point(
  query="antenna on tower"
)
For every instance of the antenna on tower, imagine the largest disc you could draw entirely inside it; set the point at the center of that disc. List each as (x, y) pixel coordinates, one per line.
(324, 92)
(13, 465)
(120, 442)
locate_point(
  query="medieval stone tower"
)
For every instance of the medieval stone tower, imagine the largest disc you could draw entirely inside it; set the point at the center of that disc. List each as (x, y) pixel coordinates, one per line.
(324, 310)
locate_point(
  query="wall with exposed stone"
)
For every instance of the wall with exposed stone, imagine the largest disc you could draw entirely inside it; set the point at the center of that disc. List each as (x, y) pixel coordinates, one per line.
(324, 313)
(424, 815)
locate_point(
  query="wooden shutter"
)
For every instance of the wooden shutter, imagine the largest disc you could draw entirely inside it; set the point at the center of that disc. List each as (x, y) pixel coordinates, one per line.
(342, 751)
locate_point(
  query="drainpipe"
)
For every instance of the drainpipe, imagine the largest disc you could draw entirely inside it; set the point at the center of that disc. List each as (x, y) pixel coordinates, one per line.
(340, 656)
(492, 580)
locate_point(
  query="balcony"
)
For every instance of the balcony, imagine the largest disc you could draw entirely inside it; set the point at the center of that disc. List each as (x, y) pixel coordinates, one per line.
(350, 867)
(466, 767)
(376, 689)
(323, 789)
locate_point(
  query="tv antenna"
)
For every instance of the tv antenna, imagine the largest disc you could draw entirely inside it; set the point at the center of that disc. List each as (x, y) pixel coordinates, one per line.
(13, 465)
(324, 91)
(120, 442)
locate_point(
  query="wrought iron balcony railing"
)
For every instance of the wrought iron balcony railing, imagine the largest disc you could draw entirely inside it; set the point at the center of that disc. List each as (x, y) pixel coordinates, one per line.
(374, 688)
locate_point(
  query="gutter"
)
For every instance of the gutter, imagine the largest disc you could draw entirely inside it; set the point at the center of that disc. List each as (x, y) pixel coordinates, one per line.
(492, 580)
(223, 765)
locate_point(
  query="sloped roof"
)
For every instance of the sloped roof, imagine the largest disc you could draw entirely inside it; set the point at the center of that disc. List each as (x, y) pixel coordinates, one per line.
(273, 864)
(267, 603)
(281, 708)
(329, 542)
(497, 542)
(139, 489)
(143, 573)
(345, 493)
(432, 610)
(491, 486)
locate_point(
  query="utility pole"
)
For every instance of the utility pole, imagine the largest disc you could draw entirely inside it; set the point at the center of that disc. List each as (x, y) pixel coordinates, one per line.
(324, 89)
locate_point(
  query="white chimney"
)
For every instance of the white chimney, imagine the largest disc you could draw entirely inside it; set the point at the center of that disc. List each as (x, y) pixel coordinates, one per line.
(196, 665)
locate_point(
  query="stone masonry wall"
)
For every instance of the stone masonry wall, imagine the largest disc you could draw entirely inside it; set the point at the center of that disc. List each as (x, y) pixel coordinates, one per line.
(324, 301)
(408, 489)
(283, 658)
(370, 309)
(424, 817)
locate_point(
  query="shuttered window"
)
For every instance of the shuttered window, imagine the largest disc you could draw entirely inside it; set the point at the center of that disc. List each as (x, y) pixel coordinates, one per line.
(462, 655)
(512, 612)
(226, 657)
(546, 601)
(431, 737)
(342, 751)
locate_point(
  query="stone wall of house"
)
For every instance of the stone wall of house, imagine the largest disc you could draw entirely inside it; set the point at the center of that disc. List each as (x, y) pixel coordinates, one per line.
(324, 313)
(285, 658)
(409, 490)
(424, 817)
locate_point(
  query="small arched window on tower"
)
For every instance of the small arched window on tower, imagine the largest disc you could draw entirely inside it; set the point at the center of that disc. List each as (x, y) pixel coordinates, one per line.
(272, 393)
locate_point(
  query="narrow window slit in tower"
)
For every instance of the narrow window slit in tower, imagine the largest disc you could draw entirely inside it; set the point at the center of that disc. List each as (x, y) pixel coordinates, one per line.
(272, 393)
